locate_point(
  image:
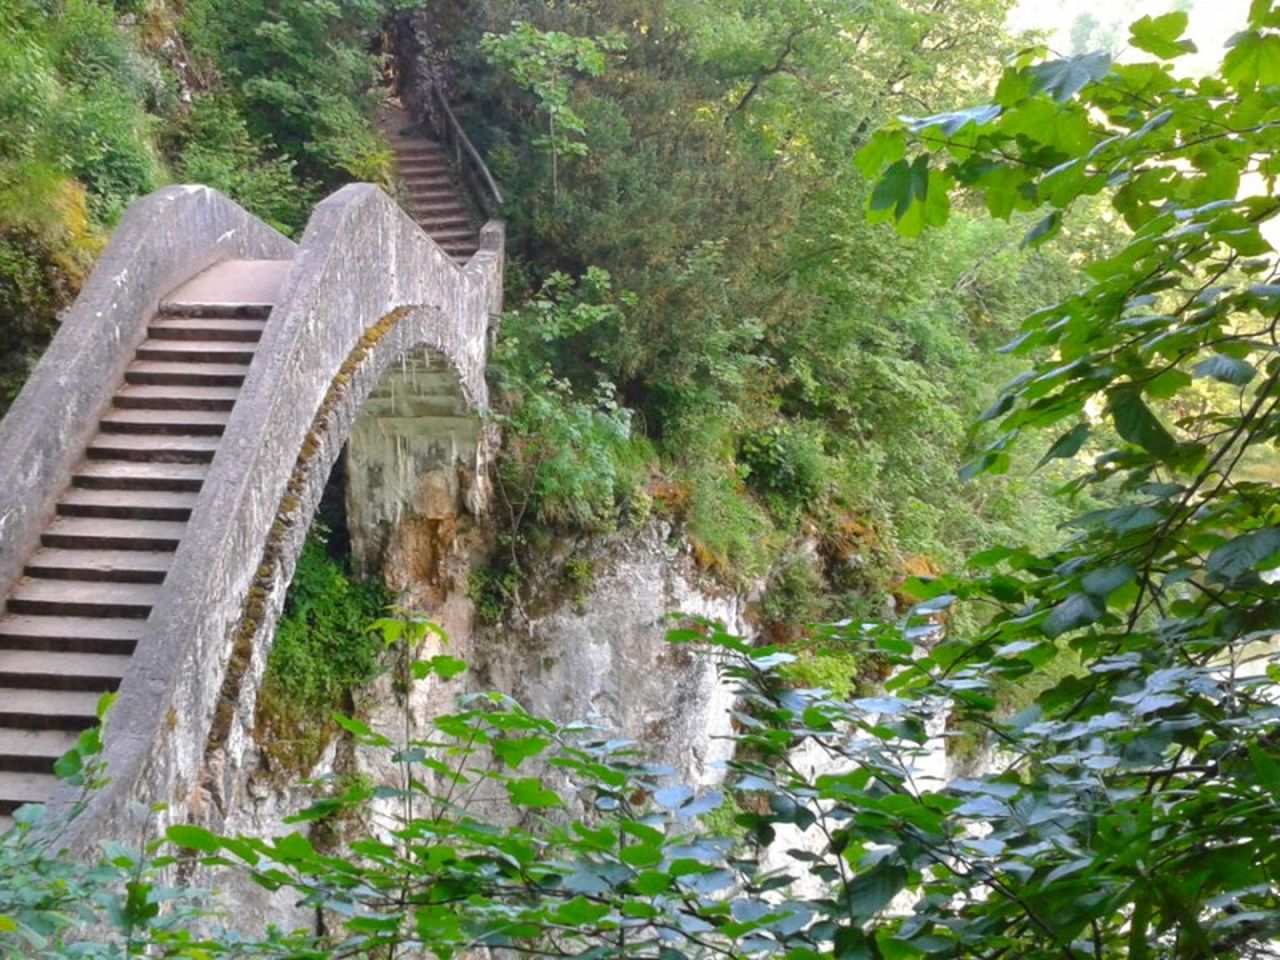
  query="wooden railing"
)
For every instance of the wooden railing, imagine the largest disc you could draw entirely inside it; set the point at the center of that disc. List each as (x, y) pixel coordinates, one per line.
(475, 172)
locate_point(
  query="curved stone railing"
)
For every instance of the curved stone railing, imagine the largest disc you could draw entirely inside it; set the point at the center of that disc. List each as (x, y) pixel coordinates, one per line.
(366, 287)
(162, 240)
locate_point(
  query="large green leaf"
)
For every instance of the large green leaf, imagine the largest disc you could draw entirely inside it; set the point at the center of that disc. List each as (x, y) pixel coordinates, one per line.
(1253, 60)
(871, 891)
(1239, 558)
(1226, 369)
(1161, 35)
(1135, 422)
(1063, 79)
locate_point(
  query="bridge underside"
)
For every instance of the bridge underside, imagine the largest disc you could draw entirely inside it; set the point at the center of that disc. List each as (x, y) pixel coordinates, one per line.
(410, 466)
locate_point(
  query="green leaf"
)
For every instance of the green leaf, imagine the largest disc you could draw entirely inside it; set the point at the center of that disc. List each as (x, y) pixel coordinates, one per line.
(580, 912)
(641, 855)
(887, 145)
(139, 906)
(444, 667)
(1045, 229)
(1135, 422)
(1226, 369)
(529, 792)
(1063, 79)
(870, 892)
(1105, 581)
(902, 185)
(193, 838)
(1067, 445)
(294, 846)
(1253, 60)
(1239, 558)
(651, 883)
(951, 123)
(1078, 610)
(1161, 35)
(516, 750)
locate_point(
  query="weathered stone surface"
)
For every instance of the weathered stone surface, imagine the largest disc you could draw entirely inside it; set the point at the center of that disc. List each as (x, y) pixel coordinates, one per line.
(603, 657)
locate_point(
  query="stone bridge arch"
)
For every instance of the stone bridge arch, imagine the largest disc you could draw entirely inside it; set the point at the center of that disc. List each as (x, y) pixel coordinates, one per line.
(377, 342)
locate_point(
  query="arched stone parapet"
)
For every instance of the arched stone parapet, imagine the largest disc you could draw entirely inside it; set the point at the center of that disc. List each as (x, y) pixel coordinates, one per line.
(162, 240)
(368, 296)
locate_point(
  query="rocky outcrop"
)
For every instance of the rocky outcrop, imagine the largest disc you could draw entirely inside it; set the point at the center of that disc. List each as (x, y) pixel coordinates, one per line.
(602, 656)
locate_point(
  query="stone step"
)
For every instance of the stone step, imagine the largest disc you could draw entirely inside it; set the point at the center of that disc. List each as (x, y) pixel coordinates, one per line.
(127, 504)
(420, 175)
(409, 149)
(429, 185)
(230, 289)
(433, 221)
(205, 422)
(421, 169)
(439, 236)
(43, 670)
(435, 200)
(222, 329)
(82, 598)
(442, 206)
(70, 634)
(152, 448)
(34, 751)
(430, 218)
(116, 566)
(47, 709)
(19, 789)
(161, 373)
(195, 351)
(151, 397)
(190, 309)
(99, 533)
(128, 475)
(446, 195)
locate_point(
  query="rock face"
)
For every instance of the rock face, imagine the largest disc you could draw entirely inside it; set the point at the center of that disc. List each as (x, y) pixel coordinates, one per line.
(598, 655)
(603, 658)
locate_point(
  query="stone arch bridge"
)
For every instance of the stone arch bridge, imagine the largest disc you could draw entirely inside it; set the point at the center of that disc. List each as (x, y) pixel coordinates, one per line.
(160, 469)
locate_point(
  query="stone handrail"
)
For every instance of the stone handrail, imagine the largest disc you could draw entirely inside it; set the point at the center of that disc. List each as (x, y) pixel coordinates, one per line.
(162, 240)
(362, 265)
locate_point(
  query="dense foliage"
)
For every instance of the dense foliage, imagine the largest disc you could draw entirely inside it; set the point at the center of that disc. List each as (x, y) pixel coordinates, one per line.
(100, 103)
(807, 380)
(321, 652)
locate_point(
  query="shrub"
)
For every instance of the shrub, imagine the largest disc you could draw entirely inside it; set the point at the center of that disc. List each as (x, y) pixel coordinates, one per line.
(216, 149)
(322, 651)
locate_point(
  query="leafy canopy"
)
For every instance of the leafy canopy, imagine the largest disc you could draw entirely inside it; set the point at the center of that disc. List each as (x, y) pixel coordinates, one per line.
(1137, 811)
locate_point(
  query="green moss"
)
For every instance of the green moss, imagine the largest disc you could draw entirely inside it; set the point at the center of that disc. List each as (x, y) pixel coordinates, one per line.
(322, 652)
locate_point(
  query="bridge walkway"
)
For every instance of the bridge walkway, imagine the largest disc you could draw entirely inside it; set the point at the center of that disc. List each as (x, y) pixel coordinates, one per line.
(70, 624)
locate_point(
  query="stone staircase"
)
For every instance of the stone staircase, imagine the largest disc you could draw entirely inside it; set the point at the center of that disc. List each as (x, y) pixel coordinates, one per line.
(70, 624)
(435, 198)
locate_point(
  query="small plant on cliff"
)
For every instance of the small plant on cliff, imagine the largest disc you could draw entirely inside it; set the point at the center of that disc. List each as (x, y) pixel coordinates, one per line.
(570, 457)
